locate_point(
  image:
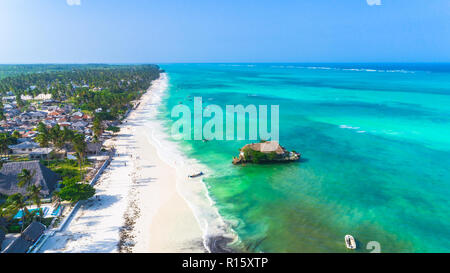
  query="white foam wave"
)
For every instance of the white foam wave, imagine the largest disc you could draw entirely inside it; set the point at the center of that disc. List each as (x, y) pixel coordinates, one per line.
(348, 69)
(193, 191)
(344, 126)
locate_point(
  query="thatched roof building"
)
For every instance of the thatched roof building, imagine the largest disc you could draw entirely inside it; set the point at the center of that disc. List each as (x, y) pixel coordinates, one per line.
(265, 152)
(42, 177)
(266, 147)
(29, 236)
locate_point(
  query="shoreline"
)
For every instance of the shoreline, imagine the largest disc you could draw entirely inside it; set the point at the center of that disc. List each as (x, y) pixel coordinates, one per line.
(216, 234)
(165, 222)
(144, 203)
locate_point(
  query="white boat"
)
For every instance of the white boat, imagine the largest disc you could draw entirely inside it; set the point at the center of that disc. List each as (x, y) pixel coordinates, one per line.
(350, 242)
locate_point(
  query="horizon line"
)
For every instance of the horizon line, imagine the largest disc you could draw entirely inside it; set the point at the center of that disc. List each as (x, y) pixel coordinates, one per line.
(156, 63)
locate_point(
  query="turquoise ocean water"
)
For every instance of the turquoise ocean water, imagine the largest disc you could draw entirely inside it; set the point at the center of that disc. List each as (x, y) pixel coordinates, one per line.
(375, 142)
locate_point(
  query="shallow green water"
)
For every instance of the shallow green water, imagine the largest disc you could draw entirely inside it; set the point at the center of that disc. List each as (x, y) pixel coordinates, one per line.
(375, 148)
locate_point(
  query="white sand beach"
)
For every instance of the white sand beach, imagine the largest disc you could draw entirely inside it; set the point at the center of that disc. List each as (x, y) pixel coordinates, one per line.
(139, 191)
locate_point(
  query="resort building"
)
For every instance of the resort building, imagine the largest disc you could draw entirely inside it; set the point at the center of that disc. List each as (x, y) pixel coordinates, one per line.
(266, 147)
(42, 176)
(27, 239)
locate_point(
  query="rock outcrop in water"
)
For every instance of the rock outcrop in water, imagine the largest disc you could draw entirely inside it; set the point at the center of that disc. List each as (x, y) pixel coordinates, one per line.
(265, 152)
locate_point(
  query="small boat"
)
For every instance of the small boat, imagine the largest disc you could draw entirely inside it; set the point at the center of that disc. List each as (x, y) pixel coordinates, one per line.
(205, 140)
(196, 175)
(350, 242)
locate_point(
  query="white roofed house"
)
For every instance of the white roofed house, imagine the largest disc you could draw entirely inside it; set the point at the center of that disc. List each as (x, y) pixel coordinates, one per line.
(40, 153)
(26, 97)
(32, 149)
(43, 97)
(24, 147)
(78, 113)
(38, 97)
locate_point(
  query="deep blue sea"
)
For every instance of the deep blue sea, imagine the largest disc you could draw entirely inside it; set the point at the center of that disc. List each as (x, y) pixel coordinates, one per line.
(375, 145)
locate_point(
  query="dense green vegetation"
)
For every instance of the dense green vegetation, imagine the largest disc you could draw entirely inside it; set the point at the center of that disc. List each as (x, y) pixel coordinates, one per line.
(75, 191)
(113, 129)
(6, 139)
(67, 168)
(88, 87)
(7, 70)
(257, 156)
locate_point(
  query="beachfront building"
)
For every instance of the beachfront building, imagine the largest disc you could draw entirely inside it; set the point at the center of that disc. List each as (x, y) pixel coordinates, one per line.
(43, 177)
(27, 239)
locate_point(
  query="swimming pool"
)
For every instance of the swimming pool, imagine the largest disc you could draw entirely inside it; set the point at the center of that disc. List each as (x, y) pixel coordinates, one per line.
(19, 214)
(56, 212)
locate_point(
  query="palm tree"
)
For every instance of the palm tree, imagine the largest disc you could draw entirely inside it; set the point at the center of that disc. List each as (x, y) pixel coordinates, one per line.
(4, 141)
(25, 177)
(17, 202)
(97, 127)
(19, 101)
(34, 192)
(68, 134)
(57, 136)
(44, 136)
(80, 146)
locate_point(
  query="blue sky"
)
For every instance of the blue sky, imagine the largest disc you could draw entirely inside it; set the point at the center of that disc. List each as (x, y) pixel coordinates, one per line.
(129, 31)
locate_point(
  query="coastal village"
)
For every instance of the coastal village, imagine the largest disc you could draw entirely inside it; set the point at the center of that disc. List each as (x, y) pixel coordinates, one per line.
(49, 112)
(27, 153)
(51, 152)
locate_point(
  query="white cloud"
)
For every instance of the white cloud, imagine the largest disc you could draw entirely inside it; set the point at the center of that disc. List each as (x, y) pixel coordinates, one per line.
(374, 2)
(73, 2)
